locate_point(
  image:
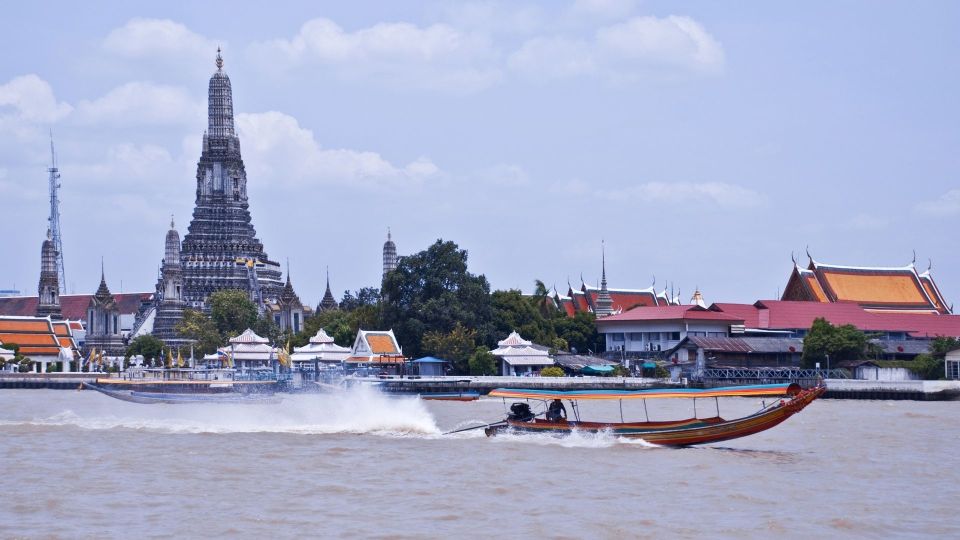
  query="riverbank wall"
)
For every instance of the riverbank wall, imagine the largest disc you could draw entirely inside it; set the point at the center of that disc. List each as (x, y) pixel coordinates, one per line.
(836, 388)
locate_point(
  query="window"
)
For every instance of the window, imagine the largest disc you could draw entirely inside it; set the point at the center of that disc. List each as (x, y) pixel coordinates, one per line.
(717, 334)
(675, 336)
(616, 337)
(697, 334)
(296, 322)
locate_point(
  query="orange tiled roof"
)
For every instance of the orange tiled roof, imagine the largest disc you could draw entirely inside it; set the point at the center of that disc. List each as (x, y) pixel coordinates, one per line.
(875, 289)
(24, 325)
(24, 339)
(381, 344)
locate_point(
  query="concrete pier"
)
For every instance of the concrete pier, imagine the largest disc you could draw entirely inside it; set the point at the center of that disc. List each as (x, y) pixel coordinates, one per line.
(912, 390)
(53, 381)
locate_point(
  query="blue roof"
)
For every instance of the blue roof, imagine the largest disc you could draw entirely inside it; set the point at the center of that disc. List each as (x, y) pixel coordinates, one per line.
(429, 360)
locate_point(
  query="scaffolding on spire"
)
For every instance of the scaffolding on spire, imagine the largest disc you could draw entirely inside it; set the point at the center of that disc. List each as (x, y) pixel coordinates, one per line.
(54, 219)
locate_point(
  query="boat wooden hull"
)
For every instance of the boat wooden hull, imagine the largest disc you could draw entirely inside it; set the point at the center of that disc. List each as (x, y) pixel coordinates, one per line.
(134, 396)
(188, 386)
(688, 432)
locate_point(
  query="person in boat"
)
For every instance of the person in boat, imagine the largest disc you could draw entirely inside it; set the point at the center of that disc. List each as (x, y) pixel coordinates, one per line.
(556, 411)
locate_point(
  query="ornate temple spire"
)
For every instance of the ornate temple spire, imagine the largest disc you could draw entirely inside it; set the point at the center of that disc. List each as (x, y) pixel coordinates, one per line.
(220, 105)
(604, 302)
(389, 255)
(328, 303)
(48, 290)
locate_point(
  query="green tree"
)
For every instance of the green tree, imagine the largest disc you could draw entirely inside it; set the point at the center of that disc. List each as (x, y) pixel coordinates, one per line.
(928, 367)
(840, 342)
(147, 346)
(232, 311)
(266, 327)
(195, 325)
(456, 346)
(432, 291)
(482, 362)
(579, 331)
(367, 296)
(941, 345)
(552, 371)
(513, 311)
(340, 325)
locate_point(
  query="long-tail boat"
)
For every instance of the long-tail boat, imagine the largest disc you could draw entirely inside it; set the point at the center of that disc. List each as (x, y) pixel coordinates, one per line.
(685, 432)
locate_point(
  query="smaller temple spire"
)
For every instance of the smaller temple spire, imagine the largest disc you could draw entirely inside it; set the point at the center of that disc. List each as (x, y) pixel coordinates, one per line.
(604, 305)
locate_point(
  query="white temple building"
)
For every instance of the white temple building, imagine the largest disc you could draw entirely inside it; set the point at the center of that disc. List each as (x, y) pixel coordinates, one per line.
(321, 349)
(518, 356)
(248, 351)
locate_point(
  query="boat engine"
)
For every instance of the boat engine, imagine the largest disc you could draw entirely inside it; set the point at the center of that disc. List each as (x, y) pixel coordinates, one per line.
(520, 412)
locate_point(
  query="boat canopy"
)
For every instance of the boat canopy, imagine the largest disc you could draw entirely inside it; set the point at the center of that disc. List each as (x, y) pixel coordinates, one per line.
(758, 390)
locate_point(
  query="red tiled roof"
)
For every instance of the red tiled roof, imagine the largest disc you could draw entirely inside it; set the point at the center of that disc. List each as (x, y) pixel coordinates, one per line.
(670, 313)
(72, 306)
(795, 315)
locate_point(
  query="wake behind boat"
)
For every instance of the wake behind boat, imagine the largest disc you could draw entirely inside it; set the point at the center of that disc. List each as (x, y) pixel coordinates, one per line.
(684, 432)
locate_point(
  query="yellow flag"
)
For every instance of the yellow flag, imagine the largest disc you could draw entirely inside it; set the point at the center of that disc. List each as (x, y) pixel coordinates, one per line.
(179, 359)
(93, 356)
(169, 358)
(100, 358)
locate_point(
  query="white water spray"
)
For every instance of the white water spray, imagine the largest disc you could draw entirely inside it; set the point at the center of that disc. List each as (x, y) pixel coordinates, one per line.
(357, 410)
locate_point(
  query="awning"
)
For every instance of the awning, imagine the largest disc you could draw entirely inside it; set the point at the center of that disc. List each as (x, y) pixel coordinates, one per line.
(754, 390)
(597, 369)
(649, 365)
(429, 360)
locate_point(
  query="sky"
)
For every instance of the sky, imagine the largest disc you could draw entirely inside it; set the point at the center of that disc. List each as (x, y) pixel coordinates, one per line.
(703, 143)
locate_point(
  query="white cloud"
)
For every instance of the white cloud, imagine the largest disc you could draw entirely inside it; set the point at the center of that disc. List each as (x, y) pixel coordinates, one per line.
(124, 162)
(553, 58)
(137, 103)
(30, 98)
(495, 17)
(146, 38)
(947, 204)
(671, 41)
(635, 49)
(504, 174)
(437, 56)
(278, 148)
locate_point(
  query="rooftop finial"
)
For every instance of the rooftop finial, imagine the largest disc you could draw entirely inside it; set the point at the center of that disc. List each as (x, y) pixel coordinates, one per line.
(914, 261)
(172, 226)
(102, 275)
(49, 234)
(388, 233)
(219, 59)
(603, 258)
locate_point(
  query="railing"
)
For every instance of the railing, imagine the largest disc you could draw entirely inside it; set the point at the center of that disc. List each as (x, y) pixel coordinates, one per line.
(770, 374)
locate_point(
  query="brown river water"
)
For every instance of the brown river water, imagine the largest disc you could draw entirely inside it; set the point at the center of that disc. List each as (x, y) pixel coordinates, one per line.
(360, 464)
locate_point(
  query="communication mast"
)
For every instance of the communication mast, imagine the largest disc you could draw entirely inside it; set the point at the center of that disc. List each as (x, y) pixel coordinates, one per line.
(54, 218)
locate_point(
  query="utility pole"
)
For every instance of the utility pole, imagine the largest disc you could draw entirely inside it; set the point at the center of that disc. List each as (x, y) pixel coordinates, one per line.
(54, 218)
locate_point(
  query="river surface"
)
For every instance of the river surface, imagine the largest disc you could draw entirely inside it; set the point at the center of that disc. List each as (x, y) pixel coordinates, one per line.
(360, 464)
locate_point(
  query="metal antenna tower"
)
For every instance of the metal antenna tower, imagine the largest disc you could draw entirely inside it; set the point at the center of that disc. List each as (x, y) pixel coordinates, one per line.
(54, 218)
